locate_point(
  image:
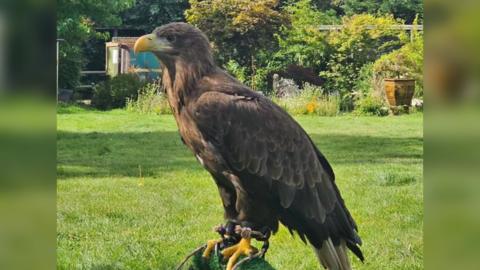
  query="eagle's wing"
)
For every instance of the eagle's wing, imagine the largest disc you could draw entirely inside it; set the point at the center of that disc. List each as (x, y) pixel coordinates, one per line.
(259, 139)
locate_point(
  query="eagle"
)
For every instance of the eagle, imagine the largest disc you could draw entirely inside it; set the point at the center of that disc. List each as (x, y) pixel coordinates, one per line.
(267, 169)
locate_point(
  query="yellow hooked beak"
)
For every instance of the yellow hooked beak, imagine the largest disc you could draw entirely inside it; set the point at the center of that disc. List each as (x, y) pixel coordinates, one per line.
(145, 43)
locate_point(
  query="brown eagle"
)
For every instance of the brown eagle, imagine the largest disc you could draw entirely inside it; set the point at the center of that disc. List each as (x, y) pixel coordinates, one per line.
(266, 167)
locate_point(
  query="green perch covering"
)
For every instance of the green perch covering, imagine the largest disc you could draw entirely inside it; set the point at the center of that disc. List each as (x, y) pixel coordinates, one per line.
(215, 263)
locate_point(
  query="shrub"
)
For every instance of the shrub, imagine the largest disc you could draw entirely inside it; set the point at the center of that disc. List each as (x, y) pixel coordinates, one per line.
(150, 100)
(239, 72)
(372, 105)
(101, 95)
(364, 83)
(368, 83)
(259, 80)
(113, 92)
(311, 100)
(347, 101)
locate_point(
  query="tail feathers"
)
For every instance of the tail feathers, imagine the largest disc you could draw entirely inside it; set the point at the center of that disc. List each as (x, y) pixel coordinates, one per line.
(333, 257)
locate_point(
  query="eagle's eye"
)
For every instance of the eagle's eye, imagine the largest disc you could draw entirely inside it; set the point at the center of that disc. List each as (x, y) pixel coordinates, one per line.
(171, 38)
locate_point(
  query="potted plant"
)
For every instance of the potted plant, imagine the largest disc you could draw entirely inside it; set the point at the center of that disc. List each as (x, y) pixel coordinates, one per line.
(399, 91)
(398, 85)
(400, 70)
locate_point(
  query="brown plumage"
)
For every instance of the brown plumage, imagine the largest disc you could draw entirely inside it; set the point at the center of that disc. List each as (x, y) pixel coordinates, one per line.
(266, 167)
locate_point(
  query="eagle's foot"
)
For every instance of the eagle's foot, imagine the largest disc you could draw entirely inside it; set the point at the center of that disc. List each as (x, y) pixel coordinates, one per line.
(243, 247)
(235, 241)
(214, 244)
(234, 252)
(211, 244)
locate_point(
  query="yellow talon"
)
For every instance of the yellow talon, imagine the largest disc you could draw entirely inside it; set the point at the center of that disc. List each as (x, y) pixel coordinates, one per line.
(234, 252)
(210, 245)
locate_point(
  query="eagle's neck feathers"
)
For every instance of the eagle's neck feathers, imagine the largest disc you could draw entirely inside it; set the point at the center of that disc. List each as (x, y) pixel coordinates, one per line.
(180, 78)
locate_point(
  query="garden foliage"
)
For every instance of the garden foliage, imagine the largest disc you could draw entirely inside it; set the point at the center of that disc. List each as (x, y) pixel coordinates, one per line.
(301, 42)
(372, 105)
(150, 100)
(114, 92)
(362, 40)
(146, 15)
(253, 40)
(311, 101)
(76, 24)
(239, 29)
(405, 10)
(406, 62)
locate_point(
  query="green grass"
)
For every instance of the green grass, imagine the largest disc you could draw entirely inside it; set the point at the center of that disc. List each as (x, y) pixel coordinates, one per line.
(131, 196)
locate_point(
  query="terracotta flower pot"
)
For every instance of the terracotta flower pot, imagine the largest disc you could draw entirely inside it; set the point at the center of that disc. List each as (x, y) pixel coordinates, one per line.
(399, 91)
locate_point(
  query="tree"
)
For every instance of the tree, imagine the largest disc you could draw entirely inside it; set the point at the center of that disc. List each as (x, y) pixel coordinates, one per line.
(76, 23)
(330, 6)
(405, 10)
(148, 14)
(241, 30)
(301, 42)
(362, 40)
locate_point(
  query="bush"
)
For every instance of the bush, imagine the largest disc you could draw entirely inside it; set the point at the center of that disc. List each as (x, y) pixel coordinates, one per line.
(239, 72)
(312, 101)
(364, 83)
(150, 100)
(114, 92)
(371, 105)
(368, 83)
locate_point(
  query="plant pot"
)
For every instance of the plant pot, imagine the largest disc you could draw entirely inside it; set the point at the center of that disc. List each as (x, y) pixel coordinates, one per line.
(399, 92)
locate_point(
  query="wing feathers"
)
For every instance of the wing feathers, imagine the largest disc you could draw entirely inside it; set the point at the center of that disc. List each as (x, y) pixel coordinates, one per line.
(267, 143)
(261, 142)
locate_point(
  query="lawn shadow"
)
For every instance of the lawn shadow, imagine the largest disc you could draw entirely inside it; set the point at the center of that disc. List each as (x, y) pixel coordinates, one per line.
(74, 108)
(104, 267)
(96, 154)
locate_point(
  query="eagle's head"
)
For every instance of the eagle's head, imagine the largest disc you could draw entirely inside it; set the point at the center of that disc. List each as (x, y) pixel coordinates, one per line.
(176, 42)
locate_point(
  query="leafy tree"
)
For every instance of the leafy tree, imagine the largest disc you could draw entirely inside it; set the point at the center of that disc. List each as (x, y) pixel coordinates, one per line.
(301, 42)
(76, 22)
(363, 39)
(241, 30)
(148, 14)
(405, 10)
(329, 5)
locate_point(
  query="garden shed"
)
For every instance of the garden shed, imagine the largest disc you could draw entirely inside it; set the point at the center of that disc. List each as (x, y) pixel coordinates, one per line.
(120, 59)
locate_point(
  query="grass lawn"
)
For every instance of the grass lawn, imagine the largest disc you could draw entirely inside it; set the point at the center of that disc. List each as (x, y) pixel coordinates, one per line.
(131, 196)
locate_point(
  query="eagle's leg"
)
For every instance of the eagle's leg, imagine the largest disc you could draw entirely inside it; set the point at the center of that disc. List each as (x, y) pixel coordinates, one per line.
(226, 237)
(265, 237)
(243, 247)
(210, 246)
